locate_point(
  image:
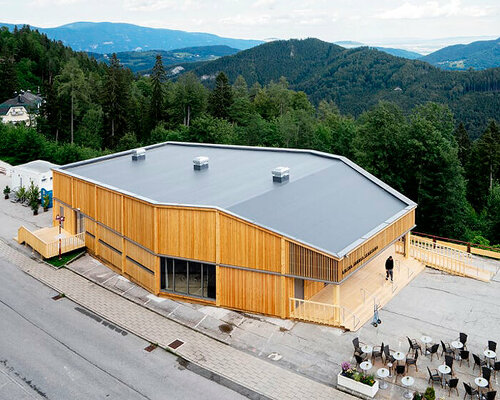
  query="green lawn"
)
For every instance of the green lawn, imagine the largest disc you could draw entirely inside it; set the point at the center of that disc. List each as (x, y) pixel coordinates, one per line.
(65, 258)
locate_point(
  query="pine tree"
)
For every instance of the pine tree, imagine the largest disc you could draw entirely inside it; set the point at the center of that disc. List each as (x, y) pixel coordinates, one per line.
(158, 76)
(221, 98)
(464, 144)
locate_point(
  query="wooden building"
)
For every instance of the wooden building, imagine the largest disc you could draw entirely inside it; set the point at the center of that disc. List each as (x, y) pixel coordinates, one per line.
(253, 229)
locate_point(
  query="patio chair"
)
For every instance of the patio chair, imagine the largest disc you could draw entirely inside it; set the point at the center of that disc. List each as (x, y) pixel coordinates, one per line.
(413, 345)
(478, 362)
(434, 377)
(486, 372)
(452, 384)
(490, 395)
(378, 352)
(446, 348)
(412, 361)
(492, 345)
(434, 350)
(469, 391)
(448, 360)
(388, 356)
(358, 359)
(400, 370)
(463, 339)
(357, 349)
(464, 356)
(496, 368)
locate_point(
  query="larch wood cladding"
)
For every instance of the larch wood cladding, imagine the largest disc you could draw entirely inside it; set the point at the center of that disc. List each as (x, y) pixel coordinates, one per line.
(138, 221)
(109, 237)
(84, 198)
(109, 209)
(140, 255)
(311, 288)
(373, 246)
(248, 246)
(311, 264)
(196, 240)
(62, 185)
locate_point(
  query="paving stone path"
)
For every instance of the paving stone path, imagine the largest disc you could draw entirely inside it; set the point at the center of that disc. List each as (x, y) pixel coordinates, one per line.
(252, 373)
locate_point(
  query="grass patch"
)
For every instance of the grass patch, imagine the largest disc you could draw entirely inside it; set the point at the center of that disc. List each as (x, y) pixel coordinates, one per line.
(65, 258)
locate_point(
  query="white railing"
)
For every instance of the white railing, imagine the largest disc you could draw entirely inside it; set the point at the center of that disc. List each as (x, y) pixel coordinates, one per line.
(322, 313)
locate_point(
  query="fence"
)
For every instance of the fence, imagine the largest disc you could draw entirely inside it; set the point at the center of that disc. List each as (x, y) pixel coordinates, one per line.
(50, 249)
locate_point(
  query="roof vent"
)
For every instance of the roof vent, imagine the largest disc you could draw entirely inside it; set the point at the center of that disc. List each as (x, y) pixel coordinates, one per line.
(281, 174)
(139, 154)
(200, 162)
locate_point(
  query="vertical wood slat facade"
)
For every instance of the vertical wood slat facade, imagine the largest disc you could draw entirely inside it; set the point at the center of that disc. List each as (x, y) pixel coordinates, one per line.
(255, 266)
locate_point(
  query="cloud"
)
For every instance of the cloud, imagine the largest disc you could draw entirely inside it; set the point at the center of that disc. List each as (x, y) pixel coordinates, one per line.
(264, 3)
(155, 5)
(433, 9)
(48, 3)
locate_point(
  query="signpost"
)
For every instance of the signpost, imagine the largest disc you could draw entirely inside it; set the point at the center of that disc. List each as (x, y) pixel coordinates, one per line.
(60, 218)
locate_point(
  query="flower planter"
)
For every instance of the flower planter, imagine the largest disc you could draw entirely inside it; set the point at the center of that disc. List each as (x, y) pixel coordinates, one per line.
(356, 387)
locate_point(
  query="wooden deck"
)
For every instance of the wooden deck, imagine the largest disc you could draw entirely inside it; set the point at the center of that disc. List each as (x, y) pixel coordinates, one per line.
(45, 241)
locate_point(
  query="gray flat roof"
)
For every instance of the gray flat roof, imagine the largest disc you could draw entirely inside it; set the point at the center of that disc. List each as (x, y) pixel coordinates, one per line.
(329, 202)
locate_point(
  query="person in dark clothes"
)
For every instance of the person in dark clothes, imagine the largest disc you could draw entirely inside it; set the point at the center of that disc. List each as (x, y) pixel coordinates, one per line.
(389, 266)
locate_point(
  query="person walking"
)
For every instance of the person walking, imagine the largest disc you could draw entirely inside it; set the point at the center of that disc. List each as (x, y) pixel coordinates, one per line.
(389, 266)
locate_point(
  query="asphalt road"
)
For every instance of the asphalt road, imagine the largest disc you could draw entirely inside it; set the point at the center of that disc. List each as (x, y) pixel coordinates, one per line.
(57, 350)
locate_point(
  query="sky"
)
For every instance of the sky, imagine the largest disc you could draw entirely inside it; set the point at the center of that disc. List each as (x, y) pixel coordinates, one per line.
(368, 21)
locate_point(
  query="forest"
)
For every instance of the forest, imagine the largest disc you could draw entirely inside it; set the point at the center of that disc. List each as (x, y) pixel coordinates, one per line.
(93, 108)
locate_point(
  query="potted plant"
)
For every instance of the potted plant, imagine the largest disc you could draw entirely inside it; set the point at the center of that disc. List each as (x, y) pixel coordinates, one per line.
(353, 381)
(6, 192)
(46, 202)
(33, 203)
(21, 194)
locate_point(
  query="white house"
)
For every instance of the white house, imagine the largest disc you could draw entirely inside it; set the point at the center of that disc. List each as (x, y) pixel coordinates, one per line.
(38, 171)
(21, 109)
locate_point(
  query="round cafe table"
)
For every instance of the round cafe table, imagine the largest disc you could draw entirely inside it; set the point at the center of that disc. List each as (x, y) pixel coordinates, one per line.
(366, 366)
(426, 340)
(382, 373)
(481, 383)
(407, 381)
(366, 349)
(456, 347)
(398, 356)
(444, 370)
(490, 355)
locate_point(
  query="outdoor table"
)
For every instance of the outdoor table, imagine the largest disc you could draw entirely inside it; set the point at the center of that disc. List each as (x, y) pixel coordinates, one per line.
(398, 356)
(407, 381)
(426, 340)
(457, 346)
(366, 349)
(481, 383)
(389, 365)
(490, 356)
(365, 366)
(383, 373)
(444, 370)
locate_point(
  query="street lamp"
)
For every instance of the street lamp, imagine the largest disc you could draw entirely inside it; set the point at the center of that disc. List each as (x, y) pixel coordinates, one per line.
(60, 218)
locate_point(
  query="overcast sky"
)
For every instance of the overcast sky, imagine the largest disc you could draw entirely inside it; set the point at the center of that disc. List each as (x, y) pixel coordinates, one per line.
(368, 21)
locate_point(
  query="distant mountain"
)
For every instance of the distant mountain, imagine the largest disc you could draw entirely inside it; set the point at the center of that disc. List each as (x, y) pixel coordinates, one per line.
(109, 37)
(143, 61)
(476, 55)
(356, 79)
(411, 55)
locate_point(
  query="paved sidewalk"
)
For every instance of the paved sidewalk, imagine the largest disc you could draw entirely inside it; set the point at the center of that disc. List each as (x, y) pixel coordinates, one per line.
(250, 372)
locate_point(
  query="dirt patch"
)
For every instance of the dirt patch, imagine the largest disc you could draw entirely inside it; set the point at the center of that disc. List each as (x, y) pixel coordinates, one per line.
(226, 328)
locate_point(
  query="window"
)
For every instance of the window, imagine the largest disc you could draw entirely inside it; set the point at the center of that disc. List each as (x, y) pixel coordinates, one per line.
(188, 277)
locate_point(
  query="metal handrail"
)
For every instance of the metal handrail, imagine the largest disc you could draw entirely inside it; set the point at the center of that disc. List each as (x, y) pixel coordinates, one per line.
(469, 244)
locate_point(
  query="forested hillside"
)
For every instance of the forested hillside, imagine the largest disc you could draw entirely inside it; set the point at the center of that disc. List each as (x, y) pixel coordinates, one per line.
(423, 151)
(357, 79)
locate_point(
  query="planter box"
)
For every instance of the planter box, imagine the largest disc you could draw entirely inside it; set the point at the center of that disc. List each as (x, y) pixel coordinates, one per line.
(351, 386)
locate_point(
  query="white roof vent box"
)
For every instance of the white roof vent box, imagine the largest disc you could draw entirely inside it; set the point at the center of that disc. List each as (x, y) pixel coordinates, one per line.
(281, 174)
(139, 154)
(200, 162)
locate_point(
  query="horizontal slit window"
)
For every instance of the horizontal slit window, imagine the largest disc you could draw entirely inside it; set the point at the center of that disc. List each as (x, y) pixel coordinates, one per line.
(91, 235)
(110, 247)
(140, 265)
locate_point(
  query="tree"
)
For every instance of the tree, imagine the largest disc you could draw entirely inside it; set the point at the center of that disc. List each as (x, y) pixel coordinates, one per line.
(72, 84)
(464, 144)
(190, 97)
(158, 76)
(492, 213)
(221, 98)
(8, 77)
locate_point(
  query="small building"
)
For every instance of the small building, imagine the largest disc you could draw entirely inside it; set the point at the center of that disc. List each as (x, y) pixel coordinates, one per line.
(22, 108)
(39, 172)
(282, 232)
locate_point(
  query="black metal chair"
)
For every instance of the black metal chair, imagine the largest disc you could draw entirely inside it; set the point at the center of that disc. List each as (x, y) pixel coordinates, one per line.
(448, 360)
(400, 370)
(434, 350)
(463, 339)
(378, 352)
(412, 360)
(489, 395)
(492, 345)
(434, 377)
(389, 358)
(446, 348)
(486, 372)
(358, 359)
(464, 356)
(414, 345)
(496, 368)
(469, 391)
(452, 384)
(478, 362)
(357, 349)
